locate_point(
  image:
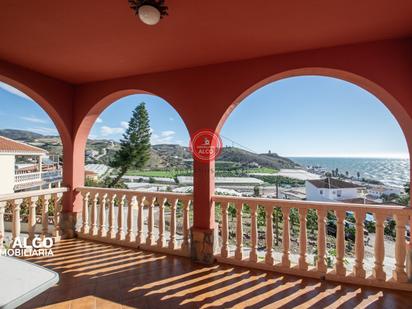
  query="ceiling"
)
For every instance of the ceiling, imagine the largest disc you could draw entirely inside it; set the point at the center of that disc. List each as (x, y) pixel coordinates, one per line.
(81, 41)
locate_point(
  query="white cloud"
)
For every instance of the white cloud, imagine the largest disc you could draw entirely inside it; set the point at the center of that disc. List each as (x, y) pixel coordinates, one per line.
(33, 119)
(99, 120)
(165, 137)
(14, 91)
(124, 124)
(44, 130)
(106, 131)
(167, 133)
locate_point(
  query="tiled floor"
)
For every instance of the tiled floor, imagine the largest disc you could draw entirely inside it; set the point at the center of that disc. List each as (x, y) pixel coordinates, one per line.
(94, 275)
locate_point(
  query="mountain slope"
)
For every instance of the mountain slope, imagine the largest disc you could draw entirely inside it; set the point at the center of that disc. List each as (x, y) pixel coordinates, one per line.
(163, 156)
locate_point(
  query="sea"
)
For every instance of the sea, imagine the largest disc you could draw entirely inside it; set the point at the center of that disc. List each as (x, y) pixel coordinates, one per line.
(391, 172)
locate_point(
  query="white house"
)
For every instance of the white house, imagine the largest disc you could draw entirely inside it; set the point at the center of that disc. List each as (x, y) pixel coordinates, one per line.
(330, 189)
(377, 191)
(25, 167)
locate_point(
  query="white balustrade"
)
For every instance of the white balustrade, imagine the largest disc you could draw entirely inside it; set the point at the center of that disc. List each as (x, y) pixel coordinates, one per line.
(300, 264)
(172, 240)
(131, 202)
(253, 250)
(102, 216)
(302, 238)
(12, 206)
(186, 226)
(239, 230)
(137, 219)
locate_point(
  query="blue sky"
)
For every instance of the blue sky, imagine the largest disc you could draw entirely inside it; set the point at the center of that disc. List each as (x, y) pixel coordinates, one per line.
(299, 116)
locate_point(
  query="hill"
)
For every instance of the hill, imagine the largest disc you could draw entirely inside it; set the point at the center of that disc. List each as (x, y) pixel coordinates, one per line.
(20, 135)
(163, 156)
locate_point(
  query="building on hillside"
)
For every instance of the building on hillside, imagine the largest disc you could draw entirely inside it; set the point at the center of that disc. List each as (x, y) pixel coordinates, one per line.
(24, 167)
(330, 189)
(376, 192)
(96, 171)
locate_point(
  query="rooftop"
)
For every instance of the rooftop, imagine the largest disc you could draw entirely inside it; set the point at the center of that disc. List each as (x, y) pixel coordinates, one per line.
(332, 183)
(11, 146)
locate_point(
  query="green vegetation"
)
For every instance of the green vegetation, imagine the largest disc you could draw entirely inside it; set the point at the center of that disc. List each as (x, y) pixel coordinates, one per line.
(168, 173)
(281, 180)
(134, 149)
(404, 200)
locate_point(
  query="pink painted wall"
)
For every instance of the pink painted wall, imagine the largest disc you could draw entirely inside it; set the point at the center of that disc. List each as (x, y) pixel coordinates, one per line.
(204, 96)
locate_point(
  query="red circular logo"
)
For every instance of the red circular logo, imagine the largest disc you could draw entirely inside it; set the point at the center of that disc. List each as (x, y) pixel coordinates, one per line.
(206, 145)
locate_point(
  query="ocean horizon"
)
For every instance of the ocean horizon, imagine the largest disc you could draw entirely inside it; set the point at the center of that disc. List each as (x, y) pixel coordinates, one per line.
(390, 171)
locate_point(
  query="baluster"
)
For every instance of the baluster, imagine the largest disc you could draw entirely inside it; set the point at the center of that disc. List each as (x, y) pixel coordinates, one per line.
(399, 274)
(15, 204)
(340, 243)
(120, 211)
(131, 202)
(2, 209)
(377, 271)
(320, 262)
(253, 250)
(225, 231)
(112, 231)
(94, 229)
(239, 231)
(358, 269)
(269, 236)
(302, 239)
(85, 214)
(285, 237)
(45, 200)
(140, 238)
(56, 213)
(161, 239)
(150, 219)
(172, 240)
(32, 217)
(102, 216)
(186, 227)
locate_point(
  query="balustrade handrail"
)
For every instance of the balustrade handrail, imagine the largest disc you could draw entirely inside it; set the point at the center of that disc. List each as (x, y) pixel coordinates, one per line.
(23, 195)
(128, 192)
(270, 202)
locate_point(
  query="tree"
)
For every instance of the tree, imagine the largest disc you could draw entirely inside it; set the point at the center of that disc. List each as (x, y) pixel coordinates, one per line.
(134, 149)
(404, 199)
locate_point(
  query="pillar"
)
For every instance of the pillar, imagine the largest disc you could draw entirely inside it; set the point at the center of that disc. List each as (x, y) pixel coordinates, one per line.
(73, 177)
(204, 233)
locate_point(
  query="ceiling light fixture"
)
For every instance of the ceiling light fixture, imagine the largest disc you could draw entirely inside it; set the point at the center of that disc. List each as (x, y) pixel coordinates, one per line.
(149, 11)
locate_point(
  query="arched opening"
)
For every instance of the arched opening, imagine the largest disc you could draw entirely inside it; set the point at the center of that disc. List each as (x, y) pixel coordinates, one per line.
(123, 125)
(32, 147)
(169, 157)
(31, 162)
(285, 118)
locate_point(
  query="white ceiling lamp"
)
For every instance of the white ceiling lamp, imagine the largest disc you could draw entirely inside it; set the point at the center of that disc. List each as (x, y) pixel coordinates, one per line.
(149, 11)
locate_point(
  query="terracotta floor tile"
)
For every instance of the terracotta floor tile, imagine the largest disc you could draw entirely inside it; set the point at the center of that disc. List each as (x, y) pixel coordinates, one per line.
(138, 279)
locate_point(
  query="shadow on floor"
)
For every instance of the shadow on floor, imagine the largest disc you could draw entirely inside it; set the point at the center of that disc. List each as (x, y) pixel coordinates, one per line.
(94, 275)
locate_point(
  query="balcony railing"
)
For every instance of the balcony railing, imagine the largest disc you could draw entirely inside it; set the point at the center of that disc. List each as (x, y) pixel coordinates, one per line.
(22, 178)
(137, 219)
(320, 270)
(14, 206)
(339, 272)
